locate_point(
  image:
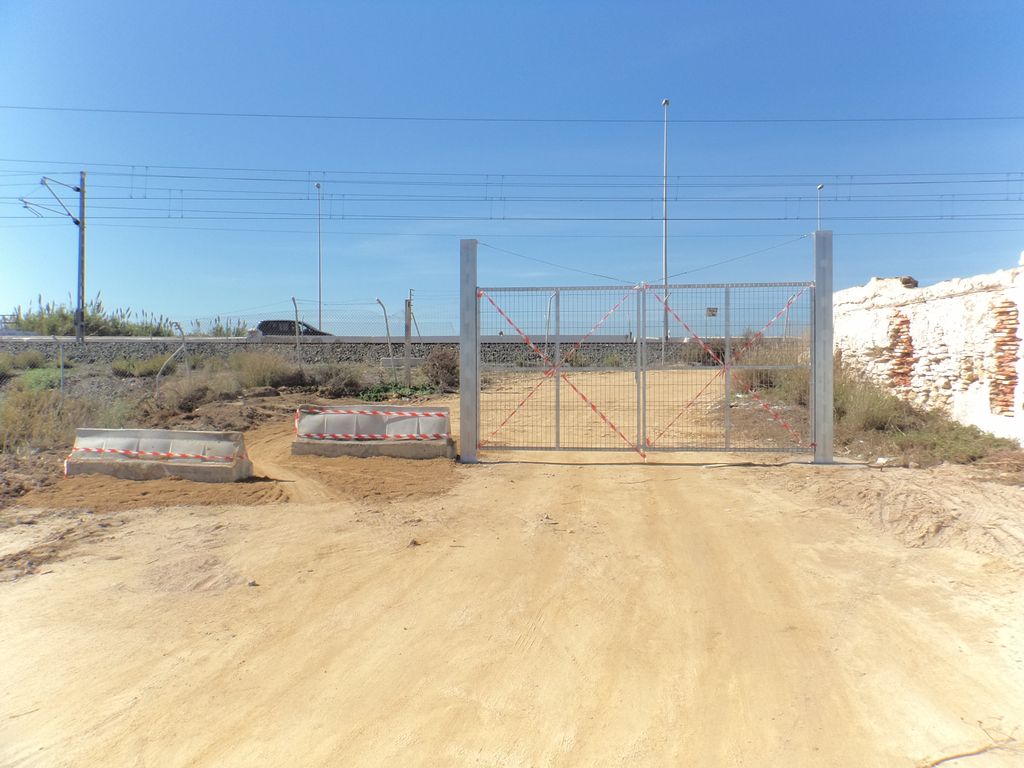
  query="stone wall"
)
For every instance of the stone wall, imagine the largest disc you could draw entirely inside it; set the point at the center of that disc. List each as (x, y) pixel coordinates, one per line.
(954, 346)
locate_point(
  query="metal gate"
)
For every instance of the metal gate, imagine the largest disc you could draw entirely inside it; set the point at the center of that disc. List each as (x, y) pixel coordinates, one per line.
(716, 367)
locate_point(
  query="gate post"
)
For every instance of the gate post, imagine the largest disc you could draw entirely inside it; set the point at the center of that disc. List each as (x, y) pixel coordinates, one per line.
(469, 346)
(821, 351)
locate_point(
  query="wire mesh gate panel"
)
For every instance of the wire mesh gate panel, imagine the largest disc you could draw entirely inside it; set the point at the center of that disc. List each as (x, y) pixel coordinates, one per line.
(705, 367)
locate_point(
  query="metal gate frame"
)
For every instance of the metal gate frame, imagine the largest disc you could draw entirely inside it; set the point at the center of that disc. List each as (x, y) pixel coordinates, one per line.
(821, 395)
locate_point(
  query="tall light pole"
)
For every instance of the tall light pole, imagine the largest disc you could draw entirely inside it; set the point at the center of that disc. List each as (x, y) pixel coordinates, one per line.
(320, 263)
(820, 187)
(664, 229)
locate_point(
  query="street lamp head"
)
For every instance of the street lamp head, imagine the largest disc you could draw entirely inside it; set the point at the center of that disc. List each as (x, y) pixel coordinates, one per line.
(821, 187)
(317, 185)
(664, 102)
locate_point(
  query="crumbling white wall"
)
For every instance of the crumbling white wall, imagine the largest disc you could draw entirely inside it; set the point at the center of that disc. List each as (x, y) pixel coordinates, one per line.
(954, 346)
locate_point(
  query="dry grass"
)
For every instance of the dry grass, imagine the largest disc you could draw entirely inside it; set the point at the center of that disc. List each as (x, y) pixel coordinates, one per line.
(29, 359)
(148, 367)
(38, 419)
(441, 368)
(260, 369)
(870, 422)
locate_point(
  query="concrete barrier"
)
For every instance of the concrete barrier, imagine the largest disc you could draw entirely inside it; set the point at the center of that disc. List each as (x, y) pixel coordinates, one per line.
(148, 454)
(374, 429)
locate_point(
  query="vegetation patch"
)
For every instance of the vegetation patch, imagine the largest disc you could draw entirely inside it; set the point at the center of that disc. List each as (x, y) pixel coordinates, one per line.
(39, 379)
(52, 319)
(441, 368)
(385, 391)
(39, 419)
(870, 422)
(261, 369)
(146, 368)
(29, 360)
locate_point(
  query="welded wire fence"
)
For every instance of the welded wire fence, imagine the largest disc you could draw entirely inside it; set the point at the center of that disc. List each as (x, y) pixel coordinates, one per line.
(600, 368)
(352, 319)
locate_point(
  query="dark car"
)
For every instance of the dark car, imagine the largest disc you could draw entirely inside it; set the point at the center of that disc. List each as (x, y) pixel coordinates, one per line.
(287, 328)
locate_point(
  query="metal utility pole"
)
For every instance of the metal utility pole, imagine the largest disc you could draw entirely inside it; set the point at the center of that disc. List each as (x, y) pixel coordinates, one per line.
(820, 187)
(79, 222)
(320, 262)
(80, 311)
(664, 231)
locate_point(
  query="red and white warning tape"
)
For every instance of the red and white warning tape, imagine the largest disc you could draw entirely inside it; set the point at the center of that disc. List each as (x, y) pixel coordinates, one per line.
(155, 454)
(335, 436)
(354, 412)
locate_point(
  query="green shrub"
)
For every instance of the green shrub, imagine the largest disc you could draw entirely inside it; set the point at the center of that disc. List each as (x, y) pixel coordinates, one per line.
(387, 391)
(29, 359)
(6, 364)
(441, 368)
(39, 379)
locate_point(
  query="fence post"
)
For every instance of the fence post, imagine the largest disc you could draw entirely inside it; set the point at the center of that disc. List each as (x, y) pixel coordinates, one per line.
(298, 354)
(821, 353)
(469, 342)
(408, 340)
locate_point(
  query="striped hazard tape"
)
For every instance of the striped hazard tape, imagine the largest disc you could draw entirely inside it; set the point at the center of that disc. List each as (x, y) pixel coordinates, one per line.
(335, 436)
(156, 454)
(353, 412)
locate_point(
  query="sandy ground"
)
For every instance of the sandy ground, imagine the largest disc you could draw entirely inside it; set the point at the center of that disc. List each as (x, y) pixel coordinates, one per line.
(543, 609)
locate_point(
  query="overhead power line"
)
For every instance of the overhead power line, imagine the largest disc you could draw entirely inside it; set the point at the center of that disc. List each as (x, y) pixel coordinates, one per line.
(556, 265)
(142, 168)
(490, 119)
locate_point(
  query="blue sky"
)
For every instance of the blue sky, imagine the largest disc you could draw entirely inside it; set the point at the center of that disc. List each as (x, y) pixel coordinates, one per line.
(195, 216)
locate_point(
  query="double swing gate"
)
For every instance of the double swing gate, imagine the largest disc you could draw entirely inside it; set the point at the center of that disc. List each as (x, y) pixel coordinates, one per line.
(644, 368)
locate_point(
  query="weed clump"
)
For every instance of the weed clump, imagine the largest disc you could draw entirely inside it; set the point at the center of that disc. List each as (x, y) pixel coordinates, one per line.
(39, 419)
(441, 368)
(29, 360)
(39, 379)
(260, 369)
(339, 380)
(124, 368)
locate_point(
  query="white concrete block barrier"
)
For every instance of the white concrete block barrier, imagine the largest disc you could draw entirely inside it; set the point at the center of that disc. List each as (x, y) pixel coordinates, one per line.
(374, 429)
(148, 454)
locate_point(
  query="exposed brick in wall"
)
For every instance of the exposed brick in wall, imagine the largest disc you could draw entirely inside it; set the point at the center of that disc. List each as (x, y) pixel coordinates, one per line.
(900, 351)
(1006, 343)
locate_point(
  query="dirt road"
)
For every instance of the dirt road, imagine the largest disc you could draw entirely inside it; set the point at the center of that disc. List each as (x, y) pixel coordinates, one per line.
(558, 612)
